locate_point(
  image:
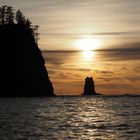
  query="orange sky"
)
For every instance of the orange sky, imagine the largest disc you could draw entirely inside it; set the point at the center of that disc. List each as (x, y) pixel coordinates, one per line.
(114, 72)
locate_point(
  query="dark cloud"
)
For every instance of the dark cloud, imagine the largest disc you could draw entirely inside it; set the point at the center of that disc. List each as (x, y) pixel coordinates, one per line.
(106, 79)
(125, 47)
(64, 75)
(73, 36)
(124, 68)
(134, 78)
(50, 71)
(85, 69)
(54, 58)
(117, 86)
(124, 53)
(103, 72)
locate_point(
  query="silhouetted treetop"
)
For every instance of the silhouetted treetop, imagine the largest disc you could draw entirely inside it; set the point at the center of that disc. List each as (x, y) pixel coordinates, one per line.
(9, 17)
(20, 18)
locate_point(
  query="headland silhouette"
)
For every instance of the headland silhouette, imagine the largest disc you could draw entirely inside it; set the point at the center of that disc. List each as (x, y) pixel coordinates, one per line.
(22, 71)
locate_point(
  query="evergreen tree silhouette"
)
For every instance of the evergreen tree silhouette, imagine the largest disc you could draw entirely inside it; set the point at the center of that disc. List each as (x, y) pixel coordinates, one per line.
(20, 18)
(3, 14)
(9, 15)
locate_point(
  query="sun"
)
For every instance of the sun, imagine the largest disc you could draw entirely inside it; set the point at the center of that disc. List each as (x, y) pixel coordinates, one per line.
(88, 43)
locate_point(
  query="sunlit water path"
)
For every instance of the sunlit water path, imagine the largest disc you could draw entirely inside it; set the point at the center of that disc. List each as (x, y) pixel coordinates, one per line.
(69, 118)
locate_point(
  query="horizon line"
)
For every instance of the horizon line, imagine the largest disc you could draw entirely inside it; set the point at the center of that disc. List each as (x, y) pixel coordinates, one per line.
(116, 49)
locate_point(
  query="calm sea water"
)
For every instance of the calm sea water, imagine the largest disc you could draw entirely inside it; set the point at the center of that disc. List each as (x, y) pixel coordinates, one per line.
(70, 118)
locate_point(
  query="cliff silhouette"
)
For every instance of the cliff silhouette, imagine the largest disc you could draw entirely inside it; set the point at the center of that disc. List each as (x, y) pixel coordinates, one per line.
(22, 71)
(89, 88)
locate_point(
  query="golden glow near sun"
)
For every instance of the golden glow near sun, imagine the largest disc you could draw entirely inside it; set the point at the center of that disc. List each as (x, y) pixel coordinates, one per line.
(88, 43)
(88, 55)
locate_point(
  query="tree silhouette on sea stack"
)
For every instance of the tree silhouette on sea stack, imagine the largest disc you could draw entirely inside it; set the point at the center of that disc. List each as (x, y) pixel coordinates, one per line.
(22, 71)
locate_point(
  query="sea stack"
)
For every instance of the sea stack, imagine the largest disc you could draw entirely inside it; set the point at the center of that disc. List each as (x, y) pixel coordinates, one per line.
(23, 72)
(89, 88)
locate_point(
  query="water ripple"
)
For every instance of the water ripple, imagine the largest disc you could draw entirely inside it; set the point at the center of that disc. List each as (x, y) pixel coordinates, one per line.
(95, 118)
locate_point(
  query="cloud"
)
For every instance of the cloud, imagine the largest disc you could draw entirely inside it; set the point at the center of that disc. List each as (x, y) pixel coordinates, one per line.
(126, 47)
(103, 72)
(84, 70)
(120, 86)
(74, 35)
(105, 79)
(123, 52)
(134, 78)
(64, 75)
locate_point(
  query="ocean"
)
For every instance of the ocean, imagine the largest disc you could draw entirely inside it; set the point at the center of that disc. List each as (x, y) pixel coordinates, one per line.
(70, 118)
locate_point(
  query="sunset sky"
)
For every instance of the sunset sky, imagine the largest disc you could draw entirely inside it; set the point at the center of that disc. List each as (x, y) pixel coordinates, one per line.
(64, 23)
(88, 25)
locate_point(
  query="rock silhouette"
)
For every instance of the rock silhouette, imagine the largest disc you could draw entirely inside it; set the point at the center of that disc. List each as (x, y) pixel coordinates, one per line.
(89, 88)
(22, 70)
